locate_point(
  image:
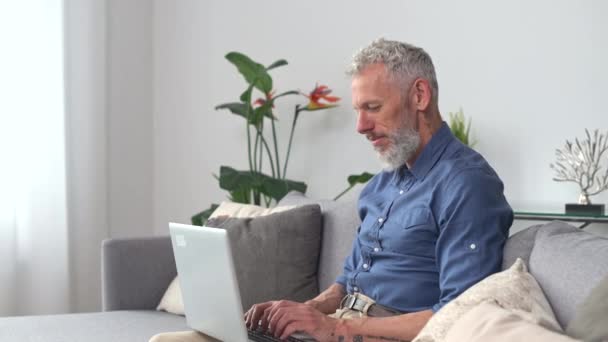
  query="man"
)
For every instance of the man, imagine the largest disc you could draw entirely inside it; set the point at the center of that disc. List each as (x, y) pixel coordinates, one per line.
(434, 222)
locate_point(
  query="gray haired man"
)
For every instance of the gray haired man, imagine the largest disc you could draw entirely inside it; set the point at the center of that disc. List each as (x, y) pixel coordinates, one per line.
(434, 222)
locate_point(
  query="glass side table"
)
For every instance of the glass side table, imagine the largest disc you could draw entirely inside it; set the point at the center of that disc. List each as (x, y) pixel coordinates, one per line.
(548, 216)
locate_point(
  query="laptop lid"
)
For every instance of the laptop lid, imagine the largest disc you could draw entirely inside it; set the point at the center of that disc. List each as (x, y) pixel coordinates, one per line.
(212, 301)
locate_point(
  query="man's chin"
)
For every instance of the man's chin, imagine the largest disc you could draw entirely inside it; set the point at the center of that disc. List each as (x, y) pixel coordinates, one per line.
(389, 164)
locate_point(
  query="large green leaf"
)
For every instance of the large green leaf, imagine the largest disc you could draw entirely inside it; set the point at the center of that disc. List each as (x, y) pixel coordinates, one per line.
(360, 179)
(277, 64)
(234, 180)
(241, 195)
(201, 218)
(239, 108)
(278, 188)
(253, 72)
(246, 95)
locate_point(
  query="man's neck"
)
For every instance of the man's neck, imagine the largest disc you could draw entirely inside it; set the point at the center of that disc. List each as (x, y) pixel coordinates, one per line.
(428, 128)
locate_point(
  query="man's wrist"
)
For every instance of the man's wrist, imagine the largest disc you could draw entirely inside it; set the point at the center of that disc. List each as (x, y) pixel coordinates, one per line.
(315, 304)
(341, 330)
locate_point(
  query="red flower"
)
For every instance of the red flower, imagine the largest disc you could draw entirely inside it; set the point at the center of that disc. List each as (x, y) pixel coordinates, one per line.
(260, 101)
(321, 92)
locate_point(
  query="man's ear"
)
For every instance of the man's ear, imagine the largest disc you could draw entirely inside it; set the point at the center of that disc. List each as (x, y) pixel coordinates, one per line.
(421, 94)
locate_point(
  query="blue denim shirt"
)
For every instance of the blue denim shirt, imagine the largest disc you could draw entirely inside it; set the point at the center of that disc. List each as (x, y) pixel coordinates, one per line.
(430, 232)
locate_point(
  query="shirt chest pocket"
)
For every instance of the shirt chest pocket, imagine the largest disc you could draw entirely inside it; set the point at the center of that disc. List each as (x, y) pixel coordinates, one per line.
(410, 232)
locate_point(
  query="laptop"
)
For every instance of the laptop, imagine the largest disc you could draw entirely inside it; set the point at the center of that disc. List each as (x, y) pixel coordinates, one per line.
(212, 301)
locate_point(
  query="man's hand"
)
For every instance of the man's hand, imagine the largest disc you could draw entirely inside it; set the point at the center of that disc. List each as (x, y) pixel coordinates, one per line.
(283, 318)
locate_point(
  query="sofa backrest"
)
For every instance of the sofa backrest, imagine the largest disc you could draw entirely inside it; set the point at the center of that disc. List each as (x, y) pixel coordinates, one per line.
(340, 223)
(566, 261)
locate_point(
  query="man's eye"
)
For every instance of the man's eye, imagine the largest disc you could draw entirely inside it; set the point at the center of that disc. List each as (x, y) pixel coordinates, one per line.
(373, 108)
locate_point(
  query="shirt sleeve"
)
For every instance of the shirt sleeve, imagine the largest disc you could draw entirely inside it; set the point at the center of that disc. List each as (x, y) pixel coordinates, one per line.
(473, 228)
(351, 261)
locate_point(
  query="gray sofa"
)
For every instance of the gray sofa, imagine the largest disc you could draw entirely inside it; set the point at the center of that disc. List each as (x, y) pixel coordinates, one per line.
(566, 261)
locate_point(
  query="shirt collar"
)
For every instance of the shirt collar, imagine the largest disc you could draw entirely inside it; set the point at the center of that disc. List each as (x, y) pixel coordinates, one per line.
(429, 156)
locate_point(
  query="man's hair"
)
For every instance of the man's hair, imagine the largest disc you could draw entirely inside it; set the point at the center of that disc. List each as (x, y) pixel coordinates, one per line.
(404, 62)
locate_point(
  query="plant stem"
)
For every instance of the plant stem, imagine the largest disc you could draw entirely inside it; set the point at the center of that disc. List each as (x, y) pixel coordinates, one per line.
(293, 127)
(269, 155)
(267, 200)
(261, 153)
(256, 197)
(249, 148)
(255, 151)
(343, 192)
(248, 101)
(276, 148)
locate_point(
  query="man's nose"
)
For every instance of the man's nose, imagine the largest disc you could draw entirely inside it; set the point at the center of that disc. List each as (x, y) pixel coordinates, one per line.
(364, 124)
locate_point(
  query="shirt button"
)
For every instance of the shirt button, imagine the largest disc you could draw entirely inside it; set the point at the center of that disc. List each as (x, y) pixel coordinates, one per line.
(381, 220)
(356, 289)
(401, 192)
(376, 249)
(473, 246)
(366, 266)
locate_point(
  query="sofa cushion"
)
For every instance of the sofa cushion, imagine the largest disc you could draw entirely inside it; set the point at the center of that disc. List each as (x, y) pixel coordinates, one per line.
(115, 326)
(284, 239)
(519, 245)
(513, 288)
(490, 322)
(275, 256)
(589, 322)
(568, 263)
(340, 223)
(172, 300)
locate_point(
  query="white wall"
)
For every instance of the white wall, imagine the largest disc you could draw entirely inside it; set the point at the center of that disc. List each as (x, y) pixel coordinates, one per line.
(109, 128)
(130, 119)
(145, 139)
(530, 74)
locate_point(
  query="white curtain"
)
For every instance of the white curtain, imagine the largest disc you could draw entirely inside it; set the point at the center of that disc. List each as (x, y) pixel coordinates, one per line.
(34, 272)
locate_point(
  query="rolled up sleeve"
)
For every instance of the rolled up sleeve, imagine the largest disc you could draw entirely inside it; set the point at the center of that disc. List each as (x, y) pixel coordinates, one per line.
(473, 228)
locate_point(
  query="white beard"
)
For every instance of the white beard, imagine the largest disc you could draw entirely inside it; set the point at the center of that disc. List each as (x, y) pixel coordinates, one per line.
(404, 143)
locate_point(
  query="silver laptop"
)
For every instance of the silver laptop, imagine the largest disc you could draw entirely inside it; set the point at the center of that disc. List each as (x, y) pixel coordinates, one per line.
(212, 301)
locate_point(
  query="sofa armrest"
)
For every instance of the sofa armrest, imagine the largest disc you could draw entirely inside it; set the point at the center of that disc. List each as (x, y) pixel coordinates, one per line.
(136, 272)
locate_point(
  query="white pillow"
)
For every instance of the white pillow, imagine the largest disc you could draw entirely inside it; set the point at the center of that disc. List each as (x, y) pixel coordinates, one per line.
(513, 288)
(172, 300)
(489, 322)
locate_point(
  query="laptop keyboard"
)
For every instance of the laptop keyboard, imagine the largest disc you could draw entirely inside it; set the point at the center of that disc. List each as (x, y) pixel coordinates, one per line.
(259, 336)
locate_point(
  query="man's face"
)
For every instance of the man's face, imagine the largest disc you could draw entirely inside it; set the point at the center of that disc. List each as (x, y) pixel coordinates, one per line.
(384, 117)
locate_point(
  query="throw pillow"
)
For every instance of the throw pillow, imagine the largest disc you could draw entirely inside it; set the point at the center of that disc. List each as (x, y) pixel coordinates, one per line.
(172, 299)
(489, 322)
(513, 288)
(589, 322)
(568, 263)
(275, 252)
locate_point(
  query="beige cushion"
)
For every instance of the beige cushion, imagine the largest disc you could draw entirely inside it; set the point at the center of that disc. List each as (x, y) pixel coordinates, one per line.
(172, 300)
(513, 288)
(245, 210)
(489, 322)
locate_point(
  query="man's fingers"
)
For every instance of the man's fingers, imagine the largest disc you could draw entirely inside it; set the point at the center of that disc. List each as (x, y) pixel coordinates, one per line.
(282, 321)
(274, 312)
(300, 317)
(289, 330)
(253, 316)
